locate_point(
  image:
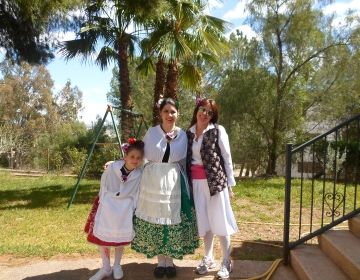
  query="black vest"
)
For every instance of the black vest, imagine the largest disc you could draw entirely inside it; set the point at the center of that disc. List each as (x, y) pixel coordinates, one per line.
(212, 160)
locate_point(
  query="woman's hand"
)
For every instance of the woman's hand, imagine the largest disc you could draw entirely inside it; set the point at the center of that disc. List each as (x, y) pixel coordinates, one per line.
(107, 164)
(231, 193)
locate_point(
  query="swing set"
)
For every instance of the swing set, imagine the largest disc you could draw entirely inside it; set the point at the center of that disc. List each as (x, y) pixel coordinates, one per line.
(138, 122)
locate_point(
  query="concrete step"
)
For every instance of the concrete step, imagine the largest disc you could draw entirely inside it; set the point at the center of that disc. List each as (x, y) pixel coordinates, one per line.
(310, 263)
(344, 249)
(354, 226)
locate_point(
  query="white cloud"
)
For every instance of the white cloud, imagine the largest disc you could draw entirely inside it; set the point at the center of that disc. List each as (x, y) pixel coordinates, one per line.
(91, 110)
(94, 104)
(238, 12)
(215, 4)
(65, 36)
(340, 8)
(246, 30)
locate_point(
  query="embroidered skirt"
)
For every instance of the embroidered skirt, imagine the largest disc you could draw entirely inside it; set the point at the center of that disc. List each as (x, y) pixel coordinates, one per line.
(153, 236)
(89, 228)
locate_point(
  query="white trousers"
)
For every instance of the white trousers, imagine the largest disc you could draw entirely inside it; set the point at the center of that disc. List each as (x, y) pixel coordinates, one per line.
(213, 213)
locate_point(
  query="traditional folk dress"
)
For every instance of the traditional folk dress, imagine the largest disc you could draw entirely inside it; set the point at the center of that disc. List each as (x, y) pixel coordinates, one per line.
(165, 222)
(213, 209)
(110, 222)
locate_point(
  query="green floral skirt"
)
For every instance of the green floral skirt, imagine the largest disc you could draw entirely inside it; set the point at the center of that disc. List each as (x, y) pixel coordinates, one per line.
(170, 240)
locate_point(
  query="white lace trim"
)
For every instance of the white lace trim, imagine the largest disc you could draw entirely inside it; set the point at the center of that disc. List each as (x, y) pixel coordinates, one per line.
(159, 221)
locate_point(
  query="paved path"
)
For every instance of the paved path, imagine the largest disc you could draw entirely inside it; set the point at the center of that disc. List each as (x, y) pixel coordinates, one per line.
(134, 269)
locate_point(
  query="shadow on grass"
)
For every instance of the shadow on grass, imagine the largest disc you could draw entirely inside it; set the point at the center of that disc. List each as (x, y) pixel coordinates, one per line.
(260, 250)
(44, 197)
(133, 271)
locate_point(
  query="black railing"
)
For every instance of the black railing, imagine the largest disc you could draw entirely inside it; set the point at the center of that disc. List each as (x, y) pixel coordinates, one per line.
(321, 186)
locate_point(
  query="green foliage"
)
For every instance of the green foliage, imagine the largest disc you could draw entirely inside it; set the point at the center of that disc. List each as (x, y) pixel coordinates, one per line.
(277, 86)
(143, 98)
(25, 27)
(37, 127)
(76, 158)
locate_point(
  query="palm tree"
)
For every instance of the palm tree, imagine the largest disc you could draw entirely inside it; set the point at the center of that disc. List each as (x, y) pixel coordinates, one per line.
(108, 25)
(181, 39)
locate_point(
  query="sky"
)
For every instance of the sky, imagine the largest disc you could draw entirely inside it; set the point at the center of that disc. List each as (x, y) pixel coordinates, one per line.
(95, 83)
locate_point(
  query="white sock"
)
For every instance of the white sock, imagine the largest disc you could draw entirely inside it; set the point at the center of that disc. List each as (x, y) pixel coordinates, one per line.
(209, 245)
(161, 260)
(225, 247)
(105, 257)
(169, 261)
(118, 254)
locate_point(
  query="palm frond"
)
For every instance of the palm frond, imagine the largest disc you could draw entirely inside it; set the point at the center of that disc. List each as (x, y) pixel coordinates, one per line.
(191, 75)
(146, 66)
(78, 47)
(208, 57)
(180, 48)
(213, 43)
(105, 56)
(217, 24)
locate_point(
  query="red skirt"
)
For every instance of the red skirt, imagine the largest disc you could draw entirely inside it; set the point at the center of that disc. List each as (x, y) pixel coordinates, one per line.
(89, 227)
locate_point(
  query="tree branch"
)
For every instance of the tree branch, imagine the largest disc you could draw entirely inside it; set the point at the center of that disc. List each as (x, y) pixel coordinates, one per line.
(314, 55)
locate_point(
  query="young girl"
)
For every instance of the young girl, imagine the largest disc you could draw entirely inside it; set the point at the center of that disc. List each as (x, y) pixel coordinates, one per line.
(110, 220)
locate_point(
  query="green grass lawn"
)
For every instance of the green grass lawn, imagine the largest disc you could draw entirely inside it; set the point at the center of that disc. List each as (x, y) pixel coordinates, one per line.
(35, 220)
(34, 217)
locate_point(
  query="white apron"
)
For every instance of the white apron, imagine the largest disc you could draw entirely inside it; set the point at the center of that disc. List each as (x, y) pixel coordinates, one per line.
(117, 202)
(160, 194)
(113, 220)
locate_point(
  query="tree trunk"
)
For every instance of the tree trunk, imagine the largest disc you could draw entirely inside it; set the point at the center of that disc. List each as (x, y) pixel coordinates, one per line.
(160, 80)
(273, 148)
(125, 90)
(171, 86)
(274, 141)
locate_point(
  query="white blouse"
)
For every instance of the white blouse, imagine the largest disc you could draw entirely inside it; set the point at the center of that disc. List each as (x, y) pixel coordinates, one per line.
(155, 145)
(224, 147)
(111, 181)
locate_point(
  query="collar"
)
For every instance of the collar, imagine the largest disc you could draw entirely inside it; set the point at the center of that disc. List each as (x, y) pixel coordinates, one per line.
(176, 129)
(210, 126)
(118, 165)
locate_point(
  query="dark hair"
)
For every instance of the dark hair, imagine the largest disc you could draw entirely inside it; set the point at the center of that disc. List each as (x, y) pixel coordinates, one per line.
(213, 106)
(137, 145)
(170, 101)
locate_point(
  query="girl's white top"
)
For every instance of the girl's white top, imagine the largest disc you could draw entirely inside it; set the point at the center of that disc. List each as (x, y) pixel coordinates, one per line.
(160, 188)
(155, 145)
(117, 203)
(224, 147)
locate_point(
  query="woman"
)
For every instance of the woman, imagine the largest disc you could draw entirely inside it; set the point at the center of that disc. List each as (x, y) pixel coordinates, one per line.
(211, 177)
(165, 223)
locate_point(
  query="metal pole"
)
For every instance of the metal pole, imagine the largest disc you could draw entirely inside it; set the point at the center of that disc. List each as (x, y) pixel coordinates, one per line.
(287, 203)
(87, 159)
(116, 131)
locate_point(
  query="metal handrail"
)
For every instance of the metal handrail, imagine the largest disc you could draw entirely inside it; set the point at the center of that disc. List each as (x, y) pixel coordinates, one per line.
(329, 197)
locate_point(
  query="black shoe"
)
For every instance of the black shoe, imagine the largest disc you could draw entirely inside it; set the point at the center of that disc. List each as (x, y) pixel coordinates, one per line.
(159, 271)
(170, 271)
